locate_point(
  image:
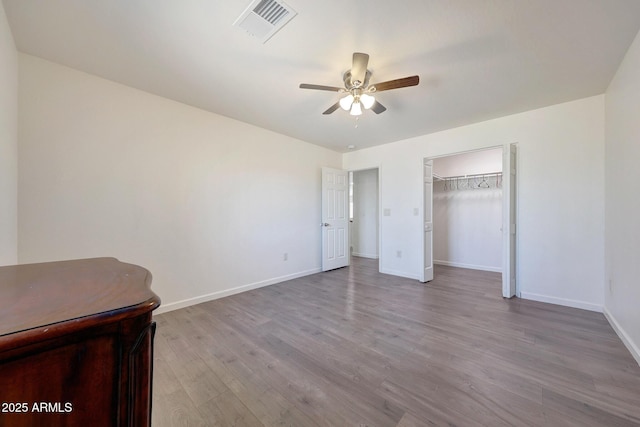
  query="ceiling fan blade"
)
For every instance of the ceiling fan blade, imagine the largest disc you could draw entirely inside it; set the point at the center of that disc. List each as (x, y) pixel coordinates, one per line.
(320, 87)
(359, 67)
(397, 84)
(333, 108)
(378, 108)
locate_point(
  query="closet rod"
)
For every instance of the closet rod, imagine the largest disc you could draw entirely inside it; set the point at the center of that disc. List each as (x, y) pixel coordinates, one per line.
(476, 175)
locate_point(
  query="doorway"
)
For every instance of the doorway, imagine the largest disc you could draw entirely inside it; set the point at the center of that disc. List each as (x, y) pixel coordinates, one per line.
(364, 213)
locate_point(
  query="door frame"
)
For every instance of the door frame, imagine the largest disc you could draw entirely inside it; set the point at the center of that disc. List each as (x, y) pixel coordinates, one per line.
(509, 257)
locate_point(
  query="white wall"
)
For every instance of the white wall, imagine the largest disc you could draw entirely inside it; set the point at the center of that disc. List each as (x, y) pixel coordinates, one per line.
(8, 144)
(473, 162)
(206, 203)
(467, 221)
(560, 204)
(622, 290)
(364, 229)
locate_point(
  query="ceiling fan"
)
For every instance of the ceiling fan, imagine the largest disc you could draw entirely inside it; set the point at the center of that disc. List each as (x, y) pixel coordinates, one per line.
(359, 93)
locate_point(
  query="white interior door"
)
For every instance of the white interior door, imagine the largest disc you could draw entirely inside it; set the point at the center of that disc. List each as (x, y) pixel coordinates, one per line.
(335, 218)
(427, 271)
(509, 174)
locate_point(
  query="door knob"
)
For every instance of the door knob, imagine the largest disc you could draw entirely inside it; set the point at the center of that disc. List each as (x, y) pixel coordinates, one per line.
(326, 224)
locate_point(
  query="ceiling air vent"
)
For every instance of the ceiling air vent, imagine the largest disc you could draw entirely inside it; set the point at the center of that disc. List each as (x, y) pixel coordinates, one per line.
(264, 18)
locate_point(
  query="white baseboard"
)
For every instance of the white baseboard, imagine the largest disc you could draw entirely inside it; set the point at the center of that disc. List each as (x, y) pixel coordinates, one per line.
(469, 266)
(624, 337)
(562, 301)
(370, 256)
(227, 292)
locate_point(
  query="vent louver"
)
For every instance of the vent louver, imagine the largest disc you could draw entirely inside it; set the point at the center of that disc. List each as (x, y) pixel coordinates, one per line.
(264, 18)
(271, 11)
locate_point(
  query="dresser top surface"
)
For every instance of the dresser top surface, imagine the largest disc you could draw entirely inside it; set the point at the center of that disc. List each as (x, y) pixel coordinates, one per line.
(37, 295)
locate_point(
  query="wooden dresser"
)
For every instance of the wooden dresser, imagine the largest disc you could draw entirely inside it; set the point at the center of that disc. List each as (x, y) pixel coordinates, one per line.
(76, 344)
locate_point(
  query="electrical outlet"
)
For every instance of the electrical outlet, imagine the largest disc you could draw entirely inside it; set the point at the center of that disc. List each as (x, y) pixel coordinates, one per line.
(610, 286)
(285, 257)
(399, 254)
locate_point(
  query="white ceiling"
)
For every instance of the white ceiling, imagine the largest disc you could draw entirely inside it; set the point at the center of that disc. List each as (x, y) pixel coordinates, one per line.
(477, 59)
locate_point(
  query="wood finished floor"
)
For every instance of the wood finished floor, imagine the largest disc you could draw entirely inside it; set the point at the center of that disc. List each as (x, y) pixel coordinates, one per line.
(353, 347)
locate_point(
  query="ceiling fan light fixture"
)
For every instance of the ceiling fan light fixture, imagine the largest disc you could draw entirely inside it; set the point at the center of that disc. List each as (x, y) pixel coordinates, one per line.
(346, 102)
(357, 94)
(356, 109)
(367, 100)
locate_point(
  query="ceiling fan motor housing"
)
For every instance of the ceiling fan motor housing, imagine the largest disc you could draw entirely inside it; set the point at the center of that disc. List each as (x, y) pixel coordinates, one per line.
(348, 84)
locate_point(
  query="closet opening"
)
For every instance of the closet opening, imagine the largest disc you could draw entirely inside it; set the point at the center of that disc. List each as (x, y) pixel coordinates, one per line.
(469, 213)
(467, 210)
